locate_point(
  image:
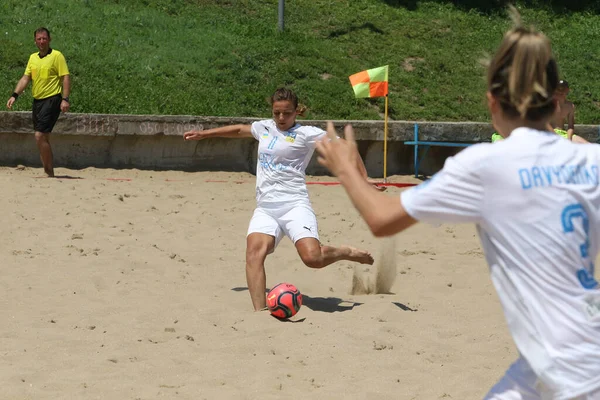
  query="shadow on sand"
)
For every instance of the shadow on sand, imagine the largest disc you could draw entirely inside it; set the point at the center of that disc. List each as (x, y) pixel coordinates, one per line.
(321, 304)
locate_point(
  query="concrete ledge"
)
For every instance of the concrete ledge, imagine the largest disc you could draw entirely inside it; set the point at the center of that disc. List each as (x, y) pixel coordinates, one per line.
(155, 142)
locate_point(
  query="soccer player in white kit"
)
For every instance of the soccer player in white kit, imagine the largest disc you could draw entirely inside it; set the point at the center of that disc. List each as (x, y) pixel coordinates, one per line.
(283, 207)
(535, 199)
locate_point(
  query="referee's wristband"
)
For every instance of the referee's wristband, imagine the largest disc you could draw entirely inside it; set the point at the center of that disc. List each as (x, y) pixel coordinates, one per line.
(66, 99)
(15, 95)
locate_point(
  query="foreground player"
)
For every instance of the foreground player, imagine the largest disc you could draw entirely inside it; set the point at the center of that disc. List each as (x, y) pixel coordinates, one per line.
(283, 207)
(535, 199)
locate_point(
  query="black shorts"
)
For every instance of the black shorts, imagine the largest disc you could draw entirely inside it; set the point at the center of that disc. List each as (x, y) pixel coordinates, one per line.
(45, 113)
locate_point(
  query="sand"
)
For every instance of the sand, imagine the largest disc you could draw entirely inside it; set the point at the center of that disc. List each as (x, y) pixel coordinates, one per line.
(129, 284)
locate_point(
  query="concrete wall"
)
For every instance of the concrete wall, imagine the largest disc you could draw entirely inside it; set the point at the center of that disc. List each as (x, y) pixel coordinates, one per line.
(155, 142)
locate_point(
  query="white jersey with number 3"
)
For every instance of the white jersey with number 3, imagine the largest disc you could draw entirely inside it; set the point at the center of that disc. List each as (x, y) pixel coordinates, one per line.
(282, 160)
(535, 198)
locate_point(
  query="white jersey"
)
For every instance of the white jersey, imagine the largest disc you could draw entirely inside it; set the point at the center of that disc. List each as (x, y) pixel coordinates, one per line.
(282, 161)
(535, 198)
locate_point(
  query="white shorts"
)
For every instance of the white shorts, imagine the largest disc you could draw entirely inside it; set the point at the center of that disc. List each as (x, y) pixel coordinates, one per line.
(296, 221)
(521, 383)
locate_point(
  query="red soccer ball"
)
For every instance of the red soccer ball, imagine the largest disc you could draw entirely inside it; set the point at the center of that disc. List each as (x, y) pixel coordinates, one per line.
(284, 300)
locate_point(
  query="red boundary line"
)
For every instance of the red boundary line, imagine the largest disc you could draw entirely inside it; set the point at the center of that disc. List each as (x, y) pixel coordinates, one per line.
(322, 183)
(399, 185)
(378, 184)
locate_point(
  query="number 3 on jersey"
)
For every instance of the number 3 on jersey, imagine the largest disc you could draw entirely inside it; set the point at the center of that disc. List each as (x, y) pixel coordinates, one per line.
(571, 212)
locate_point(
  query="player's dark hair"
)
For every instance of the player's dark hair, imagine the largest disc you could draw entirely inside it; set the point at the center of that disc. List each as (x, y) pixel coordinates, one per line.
(285, 94)
(563, 85)
(40, 30)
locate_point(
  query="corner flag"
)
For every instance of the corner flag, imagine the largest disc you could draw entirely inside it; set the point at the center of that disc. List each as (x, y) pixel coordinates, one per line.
(370, 83)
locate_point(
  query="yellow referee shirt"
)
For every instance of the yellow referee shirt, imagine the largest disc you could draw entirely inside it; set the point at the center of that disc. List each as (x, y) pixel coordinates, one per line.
(46, 73)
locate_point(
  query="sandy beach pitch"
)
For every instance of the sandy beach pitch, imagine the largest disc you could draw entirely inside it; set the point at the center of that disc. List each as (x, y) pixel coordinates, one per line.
(129, 284)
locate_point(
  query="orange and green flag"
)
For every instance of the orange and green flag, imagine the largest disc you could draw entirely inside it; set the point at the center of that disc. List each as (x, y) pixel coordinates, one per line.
(370, 83)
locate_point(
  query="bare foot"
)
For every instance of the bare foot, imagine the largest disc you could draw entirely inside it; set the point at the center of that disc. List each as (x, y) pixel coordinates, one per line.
(359, 256)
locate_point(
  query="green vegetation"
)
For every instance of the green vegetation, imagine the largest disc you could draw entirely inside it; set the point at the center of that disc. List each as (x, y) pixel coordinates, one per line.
(224, 58)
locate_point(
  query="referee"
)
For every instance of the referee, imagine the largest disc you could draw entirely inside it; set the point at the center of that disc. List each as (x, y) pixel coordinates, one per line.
(51, 87)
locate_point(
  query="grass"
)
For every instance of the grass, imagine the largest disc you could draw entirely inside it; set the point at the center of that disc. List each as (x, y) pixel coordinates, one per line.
(224, 58)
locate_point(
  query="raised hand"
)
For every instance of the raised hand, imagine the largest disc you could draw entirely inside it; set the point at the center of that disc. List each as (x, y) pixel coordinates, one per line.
(336, 154)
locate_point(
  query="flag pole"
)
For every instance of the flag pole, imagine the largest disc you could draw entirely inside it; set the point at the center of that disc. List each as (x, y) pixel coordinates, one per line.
(385, 135)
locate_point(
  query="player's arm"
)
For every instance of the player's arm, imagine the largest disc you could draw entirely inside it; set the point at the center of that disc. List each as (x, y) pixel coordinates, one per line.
(363, 171)
(21, 85)
(383, 214)
(230, 131)
(571, 122)
(66, 91)
(362, 168)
